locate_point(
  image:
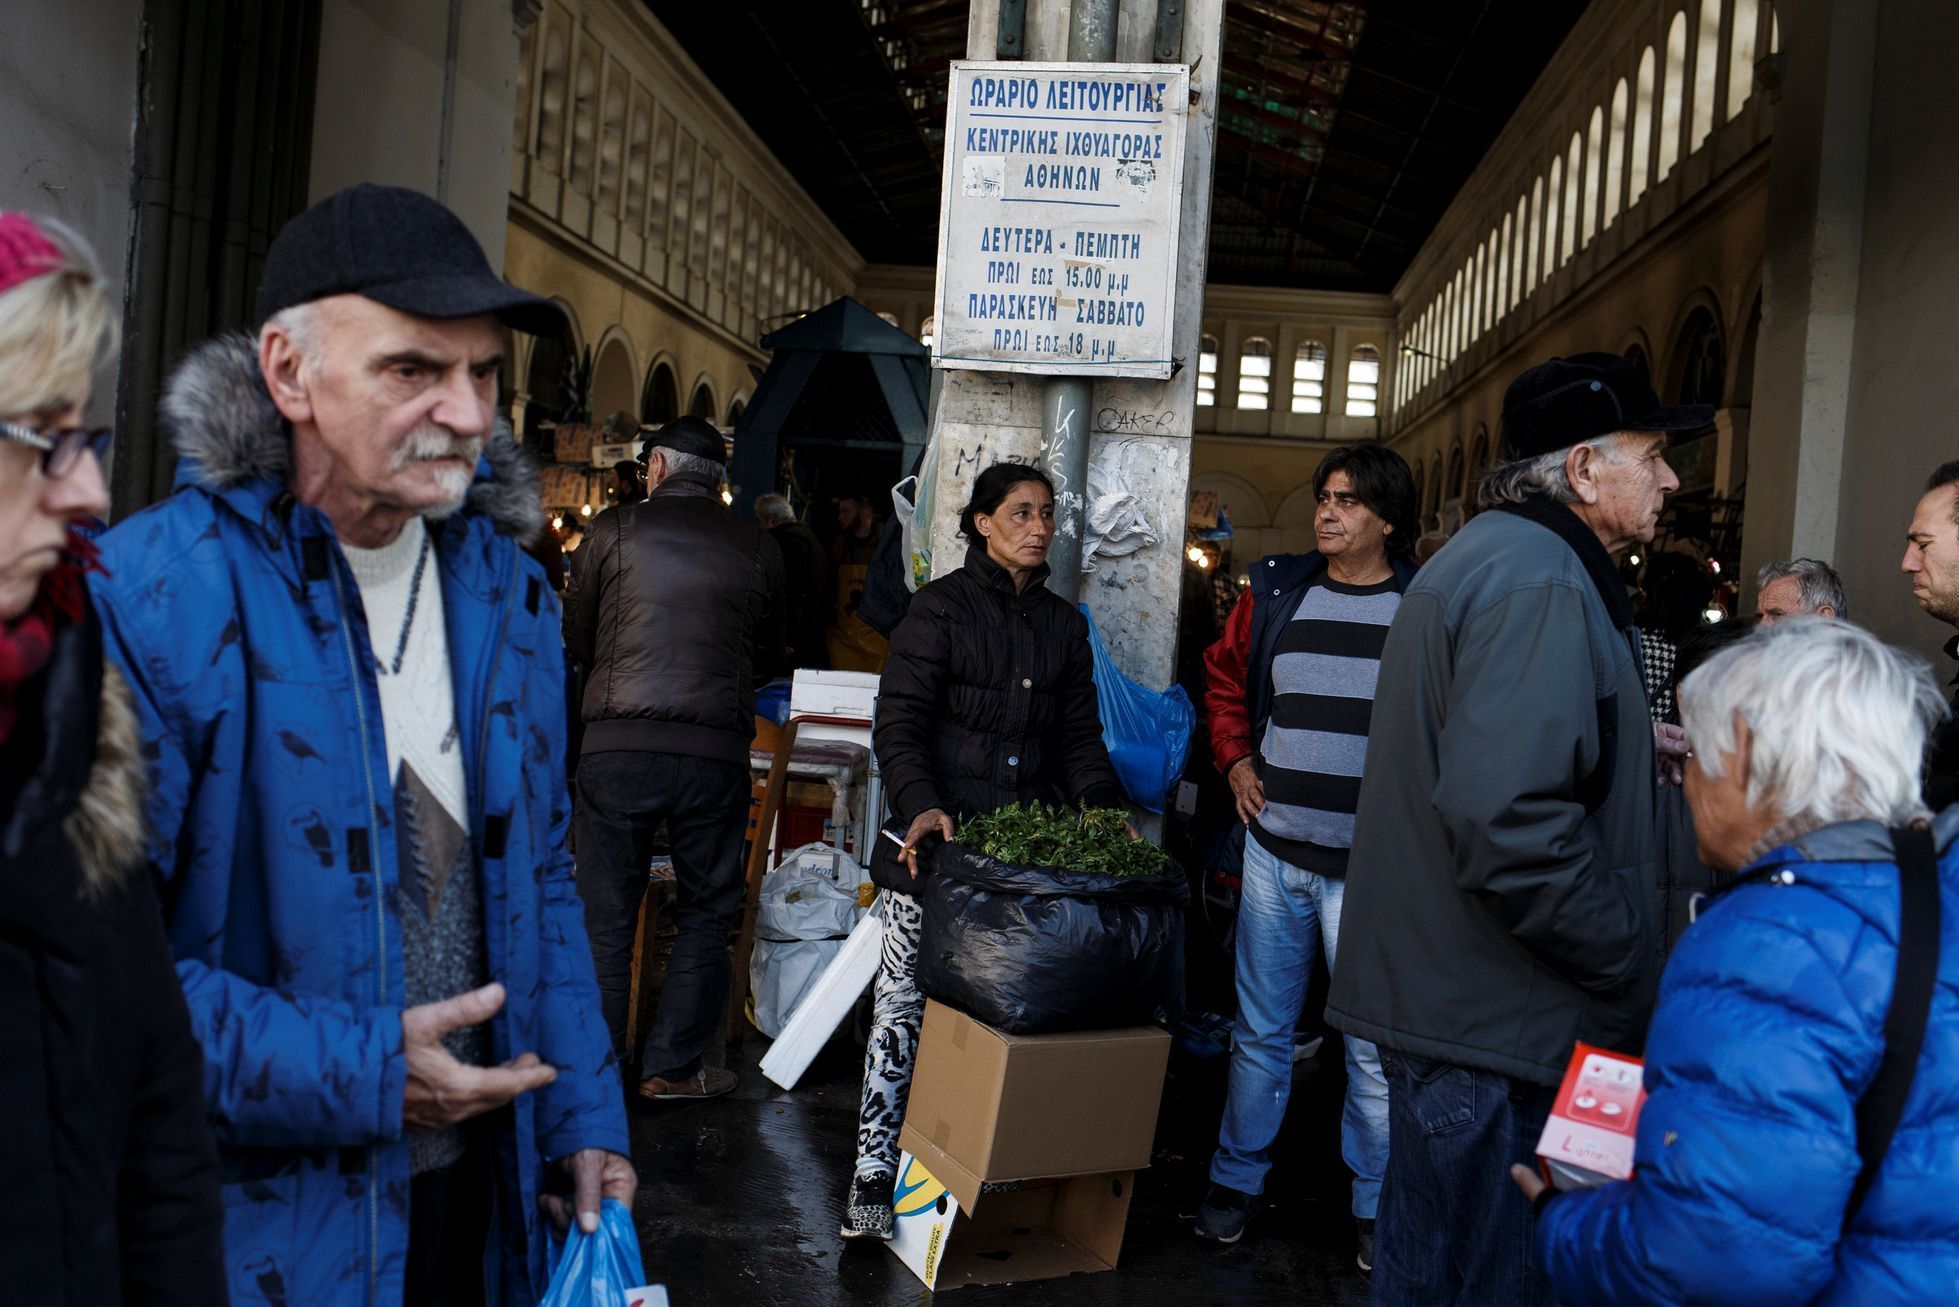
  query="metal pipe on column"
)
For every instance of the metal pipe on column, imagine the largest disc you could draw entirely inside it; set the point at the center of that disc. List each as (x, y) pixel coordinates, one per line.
(1065, 401)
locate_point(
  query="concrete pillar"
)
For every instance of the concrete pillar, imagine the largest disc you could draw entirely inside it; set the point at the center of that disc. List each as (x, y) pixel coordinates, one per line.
(984, 417)
(1811, 268)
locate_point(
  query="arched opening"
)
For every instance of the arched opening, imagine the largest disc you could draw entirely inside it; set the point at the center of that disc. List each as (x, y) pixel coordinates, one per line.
(702, 404)
(1309, 378)
(584, 127)
(735, 410)
(1479, 461)
(1635, 354)
(1699, 362)
(1670, 95)
(612, 380)
(659, 399)
(1707, 62)
(1742, 395)
(1551, 219)
(1255, 373)
(1207, 371)
(1573, 156)
(1452, 480)
(1433, 500)
(1642, 127)
(548, 381)
(1741, 56)
(1363, 381)
(1615, 152)
(1594, 144)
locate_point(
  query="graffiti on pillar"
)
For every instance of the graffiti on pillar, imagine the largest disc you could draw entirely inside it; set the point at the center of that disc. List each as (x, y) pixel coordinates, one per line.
(1136, 422)
(964, 460)
(1068, 502)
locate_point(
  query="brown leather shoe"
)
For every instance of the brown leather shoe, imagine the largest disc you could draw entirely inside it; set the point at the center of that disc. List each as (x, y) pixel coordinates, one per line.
(708, 1082)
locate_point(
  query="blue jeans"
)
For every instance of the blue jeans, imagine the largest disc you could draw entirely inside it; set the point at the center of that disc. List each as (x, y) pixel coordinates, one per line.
(1454, 1228)
(1285, 916)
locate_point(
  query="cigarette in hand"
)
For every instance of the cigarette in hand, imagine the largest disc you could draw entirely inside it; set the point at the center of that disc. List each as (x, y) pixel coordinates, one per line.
(902, 846)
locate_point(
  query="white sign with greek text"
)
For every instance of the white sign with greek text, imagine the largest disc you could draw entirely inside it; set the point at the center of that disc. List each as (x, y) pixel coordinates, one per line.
(1058, 228)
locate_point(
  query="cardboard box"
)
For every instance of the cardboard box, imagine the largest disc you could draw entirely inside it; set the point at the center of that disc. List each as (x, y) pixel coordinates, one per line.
(1020, 1150)
(1588, 1138)
(819, 693)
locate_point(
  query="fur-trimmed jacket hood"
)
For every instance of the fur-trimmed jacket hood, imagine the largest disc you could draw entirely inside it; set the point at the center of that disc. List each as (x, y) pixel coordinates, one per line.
(229, 436)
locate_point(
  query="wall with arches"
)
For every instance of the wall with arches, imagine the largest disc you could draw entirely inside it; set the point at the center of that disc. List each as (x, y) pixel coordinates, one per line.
(639, 197)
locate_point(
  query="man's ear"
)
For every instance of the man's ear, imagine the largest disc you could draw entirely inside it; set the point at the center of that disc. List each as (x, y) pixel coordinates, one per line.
(1581, 468)
(280, 364)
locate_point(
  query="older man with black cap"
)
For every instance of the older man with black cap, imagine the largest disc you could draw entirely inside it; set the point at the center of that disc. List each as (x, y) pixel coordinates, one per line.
(347, 673)
(1502, 890)
(675, 609)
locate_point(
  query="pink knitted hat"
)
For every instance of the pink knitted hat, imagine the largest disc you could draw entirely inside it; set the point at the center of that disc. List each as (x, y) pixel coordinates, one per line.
(25, 251)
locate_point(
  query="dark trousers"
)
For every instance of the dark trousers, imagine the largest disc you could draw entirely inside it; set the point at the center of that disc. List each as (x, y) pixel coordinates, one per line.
(623, 796)
(448, 1231)
(1453, 1227)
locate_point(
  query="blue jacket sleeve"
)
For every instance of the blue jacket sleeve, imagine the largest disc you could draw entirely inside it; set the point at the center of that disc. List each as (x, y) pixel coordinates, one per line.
(585, 1106)
(280, 1069)
(1747, 1143)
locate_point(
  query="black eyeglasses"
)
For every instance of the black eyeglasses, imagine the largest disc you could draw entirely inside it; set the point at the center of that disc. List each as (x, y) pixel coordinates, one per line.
(61, 448)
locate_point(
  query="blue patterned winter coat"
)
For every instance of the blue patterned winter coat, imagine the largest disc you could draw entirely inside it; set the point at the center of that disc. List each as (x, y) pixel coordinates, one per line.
(232, 612)
(1770, 1024)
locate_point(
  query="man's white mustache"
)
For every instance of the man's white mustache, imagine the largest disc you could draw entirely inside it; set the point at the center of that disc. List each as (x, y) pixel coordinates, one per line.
(430, 442)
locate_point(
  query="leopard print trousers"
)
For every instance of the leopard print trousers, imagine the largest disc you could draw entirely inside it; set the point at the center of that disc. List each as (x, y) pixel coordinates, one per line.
(896, 1010)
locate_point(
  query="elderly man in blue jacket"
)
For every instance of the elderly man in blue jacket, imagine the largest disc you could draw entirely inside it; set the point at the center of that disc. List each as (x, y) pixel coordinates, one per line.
(350, 679)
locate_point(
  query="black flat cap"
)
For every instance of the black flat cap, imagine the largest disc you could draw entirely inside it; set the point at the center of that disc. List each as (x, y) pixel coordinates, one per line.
(399, 248)
(687, 435)
(1565, 401)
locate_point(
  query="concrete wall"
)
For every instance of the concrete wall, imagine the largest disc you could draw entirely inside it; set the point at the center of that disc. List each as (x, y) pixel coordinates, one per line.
(67, 118)
(1903, 415)
(411, 94)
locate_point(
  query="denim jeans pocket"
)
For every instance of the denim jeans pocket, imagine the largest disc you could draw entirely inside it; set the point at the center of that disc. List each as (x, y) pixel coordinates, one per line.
(1441, 1095)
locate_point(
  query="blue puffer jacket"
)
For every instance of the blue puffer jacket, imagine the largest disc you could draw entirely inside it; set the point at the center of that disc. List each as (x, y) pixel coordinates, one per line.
(231, 609)
(1770, 1024)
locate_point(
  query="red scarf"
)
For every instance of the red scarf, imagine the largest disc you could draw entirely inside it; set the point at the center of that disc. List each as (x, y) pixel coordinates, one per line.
(27, 643)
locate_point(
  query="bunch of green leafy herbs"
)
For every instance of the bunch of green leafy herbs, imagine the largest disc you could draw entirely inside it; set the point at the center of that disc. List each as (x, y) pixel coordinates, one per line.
(1092, 841)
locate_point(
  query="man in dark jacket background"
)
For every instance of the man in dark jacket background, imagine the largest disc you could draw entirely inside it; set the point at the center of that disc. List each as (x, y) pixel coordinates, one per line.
(675, 611)
(1501, 895)
(805, 581)
(1932, 562)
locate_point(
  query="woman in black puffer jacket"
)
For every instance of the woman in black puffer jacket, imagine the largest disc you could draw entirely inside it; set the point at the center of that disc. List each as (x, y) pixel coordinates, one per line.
(987, 699)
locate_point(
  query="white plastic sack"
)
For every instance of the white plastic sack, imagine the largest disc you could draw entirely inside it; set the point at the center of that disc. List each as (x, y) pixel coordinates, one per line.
(807, 908)
(1116, 522)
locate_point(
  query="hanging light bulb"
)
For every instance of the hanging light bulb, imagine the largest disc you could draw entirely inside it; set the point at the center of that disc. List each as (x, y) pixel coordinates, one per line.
(1195, 555)
(585, 511)
(558, 523)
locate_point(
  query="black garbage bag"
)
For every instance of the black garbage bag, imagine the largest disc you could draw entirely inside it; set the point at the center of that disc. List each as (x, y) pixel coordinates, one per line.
(1030, 950)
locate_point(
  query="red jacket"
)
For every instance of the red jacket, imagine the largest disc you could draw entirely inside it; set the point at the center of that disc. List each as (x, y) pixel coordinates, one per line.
(1226, 712)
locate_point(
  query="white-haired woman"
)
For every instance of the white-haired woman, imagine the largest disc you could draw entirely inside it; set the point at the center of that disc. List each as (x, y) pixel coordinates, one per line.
(1772, 1021)
(108, 1178)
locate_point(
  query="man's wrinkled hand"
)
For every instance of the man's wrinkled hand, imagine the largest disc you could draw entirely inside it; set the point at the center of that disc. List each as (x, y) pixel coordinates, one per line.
(1670, 753)
(443, 1091)
(1247, 790)
(595, 1176)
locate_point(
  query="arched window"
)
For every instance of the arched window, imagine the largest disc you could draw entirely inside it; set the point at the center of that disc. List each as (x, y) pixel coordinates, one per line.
(1707, 61)
(1551, 218)
(1476, 265)
(1572, 159)
(1421, 483)
(1506, 294)
(526, 84)
(1207, 371)
(637, 147)
(1642, 128)
(1594, 144)
(1670, 94)
(1536, 229)
(724, 196)
(1636, 356)
(683, 198)
(1491, 272)
(1479, 460)
(548, 383)
(1452, 479)
(1363, 382)
(1255, 373)
(702, 404)
(1615, 152)
(551, 99)
(1699, 362)
(1519, 260)
(735, 410)
(659, 399)
(1741, 56)
(1309, 378)
(612, 148)
(926, 330)
(584, 125)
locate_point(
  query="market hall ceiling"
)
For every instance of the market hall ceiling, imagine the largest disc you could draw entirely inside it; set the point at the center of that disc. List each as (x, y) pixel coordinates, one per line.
(1344, 130)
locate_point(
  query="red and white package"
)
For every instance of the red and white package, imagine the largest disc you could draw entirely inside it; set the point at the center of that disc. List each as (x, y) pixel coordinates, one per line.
(1588, 1140)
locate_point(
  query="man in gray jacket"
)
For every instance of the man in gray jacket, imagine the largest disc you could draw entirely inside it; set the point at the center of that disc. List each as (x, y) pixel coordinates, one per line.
(1501, 896)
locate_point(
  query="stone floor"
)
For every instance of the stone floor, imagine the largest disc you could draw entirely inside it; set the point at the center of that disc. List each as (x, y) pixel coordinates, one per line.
(740, 1197)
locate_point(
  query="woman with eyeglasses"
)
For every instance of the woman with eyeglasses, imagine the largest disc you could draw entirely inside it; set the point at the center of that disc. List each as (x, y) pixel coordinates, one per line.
(108, 1178)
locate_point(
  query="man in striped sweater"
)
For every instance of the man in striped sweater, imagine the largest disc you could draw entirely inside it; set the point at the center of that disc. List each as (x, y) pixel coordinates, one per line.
(1289, 693)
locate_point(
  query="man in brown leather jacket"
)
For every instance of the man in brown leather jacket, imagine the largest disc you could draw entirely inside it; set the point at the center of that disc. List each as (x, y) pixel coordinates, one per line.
(675, 610)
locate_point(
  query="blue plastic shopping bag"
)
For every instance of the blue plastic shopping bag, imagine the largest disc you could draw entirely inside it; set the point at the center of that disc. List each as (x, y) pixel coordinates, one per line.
(595, 1270)
(1147, 732)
